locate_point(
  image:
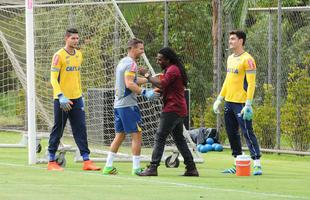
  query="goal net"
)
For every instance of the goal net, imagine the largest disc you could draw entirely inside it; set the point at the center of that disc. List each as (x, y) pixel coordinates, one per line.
(103, 37)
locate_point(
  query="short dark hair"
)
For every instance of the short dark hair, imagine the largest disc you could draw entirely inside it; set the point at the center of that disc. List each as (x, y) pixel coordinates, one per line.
(240, 34)
(134, 42)
(70, 31)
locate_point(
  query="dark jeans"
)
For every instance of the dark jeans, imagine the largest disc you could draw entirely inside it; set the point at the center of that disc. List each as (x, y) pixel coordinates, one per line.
(234, 120)
(171, 123)
(77, 121)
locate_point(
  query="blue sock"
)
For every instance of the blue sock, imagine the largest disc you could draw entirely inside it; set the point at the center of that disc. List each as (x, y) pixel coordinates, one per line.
(85, 156)
(52, 157)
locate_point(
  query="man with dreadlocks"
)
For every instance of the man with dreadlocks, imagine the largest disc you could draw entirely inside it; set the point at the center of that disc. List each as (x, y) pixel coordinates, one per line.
(174, 110)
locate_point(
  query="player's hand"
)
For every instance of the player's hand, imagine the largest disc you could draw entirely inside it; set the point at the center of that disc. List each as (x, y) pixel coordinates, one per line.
(158, 90)
(156, 94)
(160, 76)
(150, 94)
(216, 104)
(143, 71)
(65, 104)
(247, 111)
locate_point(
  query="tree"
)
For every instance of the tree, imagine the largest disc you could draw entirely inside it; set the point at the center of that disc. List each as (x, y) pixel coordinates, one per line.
(189, 34)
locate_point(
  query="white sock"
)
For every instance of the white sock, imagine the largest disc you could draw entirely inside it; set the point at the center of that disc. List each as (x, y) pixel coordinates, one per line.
(135, 162)
(257, 162)
(110, 158)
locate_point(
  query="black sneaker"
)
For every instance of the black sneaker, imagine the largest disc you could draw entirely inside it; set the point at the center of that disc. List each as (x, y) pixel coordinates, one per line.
(191, 171)
(151, 170)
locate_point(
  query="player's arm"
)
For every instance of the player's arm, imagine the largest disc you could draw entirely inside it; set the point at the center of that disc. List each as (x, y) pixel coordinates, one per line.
(65, 104)
(155, 81)
(130, 82)
(224, 89)
(150, 94)
(147, 74)
(165, 80)
(141, 80)
(220, 97)
(250, 73)
(55, 69)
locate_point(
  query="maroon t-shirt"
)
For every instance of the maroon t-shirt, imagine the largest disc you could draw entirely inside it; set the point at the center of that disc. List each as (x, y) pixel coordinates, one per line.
(173, 91)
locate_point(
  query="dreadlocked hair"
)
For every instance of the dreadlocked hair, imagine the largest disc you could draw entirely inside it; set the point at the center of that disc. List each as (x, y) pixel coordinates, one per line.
(169, 54)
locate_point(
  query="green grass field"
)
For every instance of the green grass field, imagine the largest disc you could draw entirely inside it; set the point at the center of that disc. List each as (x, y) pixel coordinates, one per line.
(285, 177)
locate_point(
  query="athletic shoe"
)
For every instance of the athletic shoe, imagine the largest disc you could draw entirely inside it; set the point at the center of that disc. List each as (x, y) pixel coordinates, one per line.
(53, 166)
(137, 171)
(151, 170)
(231, 170)
(89, 165)
(109, 171)
(191, 171)
(257, 170)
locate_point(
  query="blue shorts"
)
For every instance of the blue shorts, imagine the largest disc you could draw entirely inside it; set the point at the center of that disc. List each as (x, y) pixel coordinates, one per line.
(127, 120)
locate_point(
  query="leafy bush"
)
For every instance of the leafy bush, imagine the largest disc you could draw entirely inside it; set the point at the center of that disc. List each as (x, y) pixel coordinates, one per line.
(264, 122)
(296, 111)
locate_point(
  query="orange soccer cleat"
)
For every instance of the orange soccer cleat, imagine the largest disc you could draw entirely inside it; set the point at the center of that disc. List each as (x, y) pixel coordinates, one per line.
(53, 166)
(89, 165)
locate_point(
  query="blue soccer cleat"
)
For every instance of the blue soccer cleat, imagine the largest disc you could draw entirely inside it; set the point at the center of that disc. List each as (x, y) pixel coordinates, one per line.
(257, 171)
(231, 170)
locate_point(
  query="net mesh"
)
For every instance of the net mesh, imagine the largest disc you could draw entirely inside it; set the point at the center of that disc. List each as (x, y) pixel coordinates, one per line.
(103, 43)
(12, 68)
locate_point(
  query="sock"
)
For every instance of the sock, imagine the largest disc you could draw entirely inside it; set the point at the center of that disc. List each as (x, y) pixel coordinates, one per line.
(110, 158)
(135, 162)
(257, 162)
(52, 157)
(85, 156)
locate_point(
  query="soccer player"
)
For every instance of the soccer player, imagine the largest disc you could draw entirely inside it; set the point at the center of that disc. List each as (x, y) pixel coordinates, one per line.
(174, 111)
(238, 91)
(68, 101)
(126, 112)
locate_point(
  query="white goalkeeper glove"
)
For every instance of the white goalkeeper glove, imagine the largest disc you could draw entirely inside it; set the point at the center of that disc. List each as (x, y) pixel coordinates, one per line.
(217, 104)
(65, 104)
(247, 110)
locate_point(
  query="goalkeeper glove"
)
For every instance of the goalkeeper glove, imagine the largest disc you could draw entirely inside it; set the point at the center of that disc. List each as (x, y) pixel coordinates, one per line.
(217, 104)
(65, 104)
(247, 110)
(150, 94)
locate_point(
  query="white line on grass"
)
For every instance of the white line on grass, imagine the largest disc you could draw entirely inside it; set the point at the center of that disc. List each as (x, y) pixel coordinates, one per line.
(152, 181)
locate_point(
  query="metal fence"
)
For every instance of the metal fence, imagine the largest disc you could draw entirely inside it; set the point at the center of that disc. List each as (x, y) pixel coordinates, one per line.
(281, 111)
(279, 41)
(281, 107)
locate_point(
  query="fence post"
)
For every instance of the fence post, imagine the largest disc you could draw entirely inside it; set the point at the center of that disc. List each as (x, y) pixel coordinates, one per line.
(166, 24)
(219, 58)
(279, 72)
(270, 36)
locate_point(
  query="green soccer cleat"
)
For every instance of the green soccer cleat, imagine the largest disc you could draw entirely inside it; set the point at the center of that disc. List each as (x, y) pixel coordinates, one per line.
(257, 170)
(231, 170)
(137, 171)
(109, 171)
